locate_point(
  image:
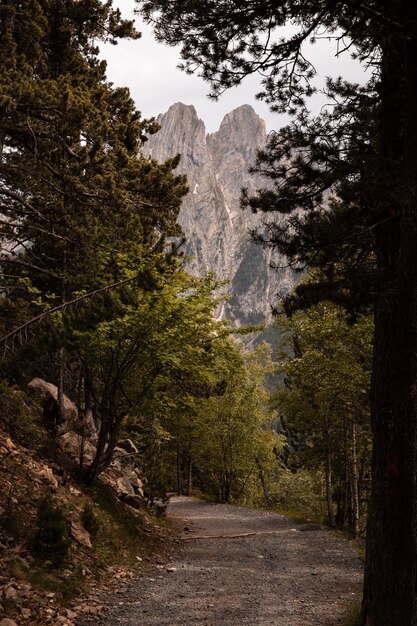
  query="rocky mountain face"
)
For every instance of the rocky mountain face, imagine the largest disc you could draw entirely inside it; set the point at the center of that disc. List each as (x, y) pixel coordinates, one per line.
(216, 228)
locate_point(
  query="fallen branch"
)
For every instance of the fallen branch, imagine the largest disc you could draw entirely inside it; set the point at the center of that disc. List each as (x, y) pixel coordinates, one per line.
(238, 536)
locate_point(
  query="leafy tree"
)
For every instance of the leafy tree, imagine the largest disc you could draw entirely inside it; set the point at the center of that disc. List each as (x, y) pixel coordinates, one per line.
(151, 358)
(234, 446)
(226, 41)
(87, 191)
(325, 401)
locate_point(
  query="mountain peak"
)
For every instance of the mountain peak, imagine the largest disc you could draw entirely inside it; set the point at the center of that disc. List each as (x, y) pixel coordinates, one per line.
(185, 110)
(217, 230)
(243, 113)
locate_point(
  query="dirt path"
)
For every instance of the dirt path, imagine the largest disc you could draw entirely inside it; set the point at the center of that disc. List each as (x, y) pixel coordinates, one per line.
(241, 567)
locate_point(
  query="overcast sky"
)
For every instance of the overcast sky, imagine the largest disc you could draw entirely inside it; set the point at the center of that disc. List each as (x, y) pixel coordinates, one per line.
(150, 71)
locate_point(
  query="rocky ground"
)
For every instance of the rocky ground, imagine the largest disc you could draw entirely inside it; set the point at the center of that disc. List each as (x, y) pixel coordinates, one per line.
(239, 566)
(33, 591)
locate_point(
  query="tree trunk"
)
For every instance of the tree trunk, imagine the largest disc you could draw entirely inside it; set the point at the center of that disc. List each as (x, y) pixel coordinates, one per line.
(189, 471)
(346, 489)
(61, 350)
(61, 383)
(226, 487)
(106, 440)
(329, 490)
(262, 479)
(179, 485)
(390, 588)
(354, 482)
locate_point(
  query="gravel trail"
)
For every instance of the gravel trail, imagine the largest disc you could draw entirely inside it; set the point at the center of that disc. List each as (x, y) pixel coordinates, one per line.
(239, 566)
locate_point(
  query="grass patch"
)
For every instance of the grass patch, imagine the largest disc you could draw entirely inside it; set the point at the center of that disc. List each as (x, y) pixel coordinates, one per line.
(359, 544)
(66, 584)
(298, 516)
(352, 616)
(122, 533)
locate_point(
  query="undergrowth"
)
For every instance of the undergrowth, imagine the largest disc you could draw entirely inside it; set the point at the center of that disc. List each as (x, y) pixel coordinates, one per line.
(352, 615)
(122, 533)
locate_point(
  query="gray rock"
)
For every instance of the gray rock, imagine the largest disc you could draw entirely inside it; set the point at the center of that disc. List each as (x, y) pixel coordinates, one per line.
(80, 534)
(135, 502)
(216, 228)
(7, 622)
(74, 445)
(47, 394)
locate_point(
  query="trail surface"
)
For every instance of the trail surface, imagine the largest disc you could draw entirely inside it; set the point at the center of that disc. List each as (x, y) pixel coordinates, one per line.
(239, 566)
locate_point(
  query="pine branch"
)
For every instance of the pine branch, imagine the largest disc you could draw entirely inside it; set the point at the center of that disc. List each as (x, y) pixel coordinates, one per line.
(23, 328)
(62, 307)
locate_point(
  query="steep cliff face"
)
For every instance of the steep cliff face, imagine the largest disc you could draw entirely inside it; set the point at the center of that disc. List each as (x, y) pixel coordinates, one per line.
(216, 228)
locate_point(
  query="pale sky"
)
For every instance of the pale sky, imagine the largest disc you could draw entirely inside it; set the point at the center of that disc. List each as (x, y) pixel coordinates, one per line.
(150, 71)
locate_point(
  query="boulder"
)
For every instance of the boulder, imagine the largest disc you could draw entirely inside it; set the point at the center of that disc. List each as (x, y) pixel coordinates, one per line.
(47, 394)
(80, 534)
(7, 622)
(136, 502)
(124, 476)
(72, 444)
(46, 476)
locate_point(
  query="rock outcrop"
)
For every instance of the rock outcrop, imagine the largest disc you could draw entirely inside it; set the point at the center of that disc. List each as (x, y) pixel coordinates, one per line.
(216, 228)
(123, 474)
(47, 396)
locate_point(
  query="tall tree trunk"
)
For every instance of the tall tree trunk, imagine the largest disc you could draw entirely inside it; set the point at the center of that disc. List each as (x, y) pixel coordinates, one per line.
(189, 470)
(61, 386)
(104, 437)
(61, 349)
(354, 482)
(346, 489)
(329, 490)
(179, 485)
(390, 589)
(262, 479)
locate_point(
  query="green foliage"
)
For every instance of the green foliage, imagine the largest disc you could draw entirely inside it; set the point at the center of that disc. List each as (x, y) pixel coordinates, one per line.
(228, 441)
(122, 533)
(72, 181)
(154, 355)
(83, 213)
(153, 443)
(90, 520)
(324, 401)
(299, 492)
(11, 517)
(21, 417)
(51, 541)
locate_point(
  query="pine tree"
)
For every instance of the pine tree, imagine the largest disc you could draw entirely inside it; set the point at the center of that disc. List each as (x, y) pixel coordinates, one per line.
(80, 209)
(82, 213)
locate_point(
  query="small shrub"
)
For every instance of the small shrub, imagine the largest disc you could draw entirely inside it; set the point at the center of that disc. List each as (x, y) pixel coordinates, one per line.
(21, 417)
(90, 520)
(352, 617)
(11, 519)
(51, 541)
(300, 491)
